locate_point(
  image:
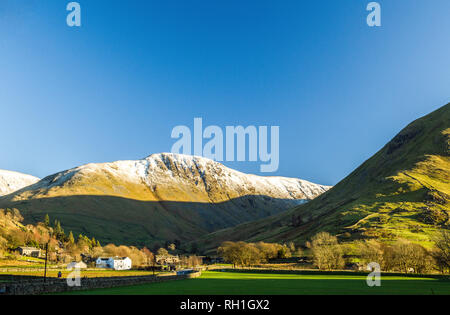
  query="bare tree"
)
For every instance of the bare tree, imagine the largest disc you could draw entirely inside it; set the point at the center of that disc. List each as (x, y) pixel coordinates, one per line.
(327, 253)
(241, 253)
(372, 251)
(442, 251)
(411, 258)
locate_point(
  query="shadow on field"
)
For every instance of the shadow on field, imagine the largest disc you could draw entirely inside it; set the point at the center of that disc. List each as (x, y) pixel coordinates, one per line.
(243, 284)
(134, 222)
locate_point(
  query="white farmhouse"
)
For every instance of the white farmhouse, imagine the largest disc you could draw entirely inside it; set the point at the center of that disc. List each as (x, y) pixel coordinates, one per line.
(116, 263)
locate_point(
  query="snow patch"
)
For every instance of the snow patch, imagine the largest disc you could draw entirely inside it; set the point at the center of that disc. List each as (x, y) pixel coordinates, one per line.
(13, 181)
(191, 173)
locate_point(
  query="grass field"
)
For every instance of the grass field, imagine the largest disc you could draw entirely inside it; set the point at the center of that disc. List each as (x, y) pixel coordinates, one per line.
(237, 283)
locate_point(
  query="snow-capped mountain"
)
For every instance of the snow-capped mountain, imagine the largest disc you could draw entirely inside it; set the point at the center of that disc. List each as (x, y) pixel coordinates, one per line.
(164, 196)
(173, 177)
(13, 181)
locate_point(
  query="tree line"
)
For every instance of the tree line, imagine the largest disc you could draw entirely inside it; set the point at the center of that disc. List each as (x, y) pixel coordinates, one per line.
(248, 254)
(64, 248)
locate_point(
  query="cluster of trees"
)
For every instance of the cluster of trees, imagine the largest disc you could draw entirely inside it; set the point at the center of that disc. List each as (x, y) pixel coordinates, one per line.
(405, 256)
(248, 254)
(401, 256)
(62, 247)
(328, 254)
(65, 248)
(441, 252)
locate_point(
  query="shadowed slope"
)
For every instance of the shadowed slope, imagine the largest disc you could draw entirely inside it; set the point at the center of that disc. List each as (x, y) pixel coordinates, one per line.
(133, 222)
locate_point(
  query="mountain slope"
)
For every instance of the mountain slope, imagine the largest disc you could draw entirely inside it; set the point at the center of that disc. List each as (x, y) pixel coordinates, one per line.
(161, 198)
(13, 181)
(401, 192)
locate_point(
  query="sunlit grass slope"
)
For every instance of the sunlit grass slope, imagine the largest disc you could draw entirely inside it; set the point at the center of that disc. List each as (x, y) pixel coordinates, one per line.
(401, 192)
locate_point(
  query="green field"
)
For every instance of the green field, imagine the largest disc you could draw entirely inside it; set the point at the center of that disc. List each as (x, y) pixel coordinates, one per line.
(237, 283)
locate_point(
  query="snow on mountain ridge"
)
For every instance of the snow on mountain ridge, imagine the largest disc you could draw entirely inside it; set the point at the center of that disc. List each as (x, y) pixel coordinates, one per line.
(12, 181)
(218, 170)
(192, 174)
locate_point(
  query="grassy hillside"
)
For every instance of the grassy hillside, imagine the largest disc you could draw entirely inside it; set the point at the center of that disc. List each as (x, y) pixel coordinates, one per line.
(127, 221)
(403, 191)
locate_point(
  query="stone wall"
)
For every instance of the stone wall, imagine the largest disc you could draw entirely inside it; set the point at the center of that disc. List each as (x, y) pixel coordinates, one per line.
(52, 285)
(323, 272)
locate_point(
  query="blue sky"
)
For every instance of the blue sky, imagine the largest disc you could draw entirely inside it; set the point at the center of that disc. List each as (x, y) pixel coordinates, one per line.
(114, 88)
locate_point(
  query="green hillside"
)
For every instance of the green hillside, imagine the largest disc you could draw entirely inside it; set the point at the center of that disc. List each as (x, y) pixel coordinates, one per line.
(403, 191)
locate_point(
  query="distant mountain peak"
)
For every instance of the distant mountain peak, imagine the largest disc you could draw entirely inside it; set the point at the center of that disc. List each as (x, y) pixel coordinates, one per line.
(193, 174)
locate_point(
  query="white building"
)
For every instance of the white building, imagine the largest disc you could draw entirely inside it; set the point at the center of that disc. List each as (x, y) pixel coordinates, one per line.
(116, 263)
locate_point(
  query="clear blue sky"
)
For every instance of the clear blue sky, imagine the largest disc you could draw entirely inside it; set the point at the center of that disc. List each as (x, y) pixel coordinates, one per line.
(114, 88)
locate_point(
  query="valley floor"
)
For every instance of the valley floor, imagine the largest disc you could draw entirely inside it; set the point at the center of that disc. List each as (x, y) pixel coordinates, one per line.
(239, 283)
